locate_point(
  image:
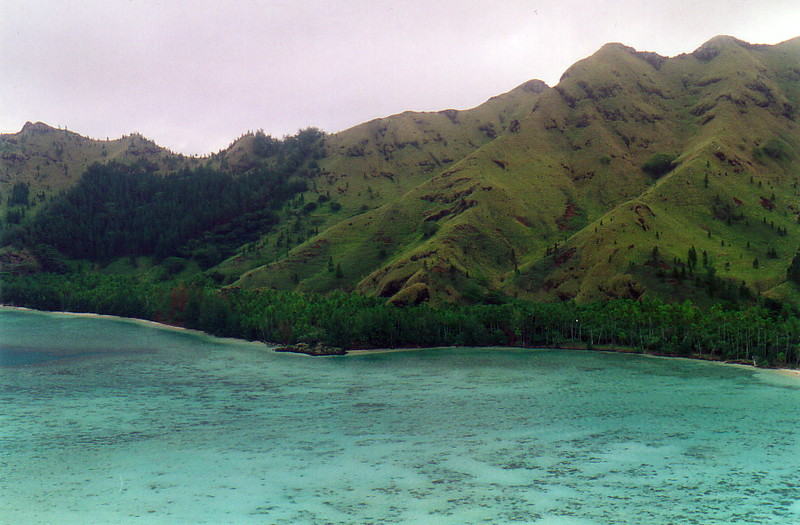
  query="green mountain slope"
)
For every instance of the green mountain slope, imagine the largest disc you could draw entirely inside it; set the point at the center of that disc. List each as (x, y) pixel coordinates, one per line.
(397, 153)
(377, 162)
(732, 195)
(559, 206)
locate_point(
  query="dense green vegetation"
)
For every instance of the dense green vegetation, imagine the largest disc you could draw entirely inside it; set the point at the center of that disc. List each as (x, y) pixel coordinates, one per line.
(19, 194)
(793, 271)
(119, 210)
(766, 334)
(773, 149)
(659, 164)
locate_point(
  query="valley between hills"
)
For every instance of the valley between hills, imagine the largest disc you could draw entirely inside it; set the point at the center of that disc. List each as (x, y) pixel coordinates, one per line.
(636, 177)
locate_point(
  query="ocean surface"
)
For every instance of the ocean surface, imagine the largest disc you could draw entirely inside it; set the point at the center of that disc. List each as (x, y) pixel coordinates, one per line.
(113, 421)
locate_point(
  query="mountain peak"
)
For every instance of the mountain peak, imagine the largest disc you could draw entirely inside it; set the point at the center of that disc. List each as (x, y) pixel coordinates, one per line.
(723, 40)
(712, 48)
(531, 86)
(38, 127)
(611, 53)
(615, 46)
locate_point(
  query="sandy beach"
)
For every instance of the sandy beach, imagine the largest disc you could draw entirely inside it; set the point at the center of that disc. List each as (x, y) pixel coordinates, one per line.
(369, 351)
(787, 372)
(790, 372)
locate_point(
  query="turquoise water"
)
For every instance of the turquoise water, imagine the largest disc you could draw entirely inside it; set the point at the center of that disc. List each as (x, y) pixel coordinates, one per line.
(114, 422)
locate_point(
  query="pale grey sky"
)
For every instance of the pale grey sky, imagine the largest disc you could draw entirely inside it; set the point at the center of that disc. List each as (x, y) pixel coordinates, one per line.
(195, 74)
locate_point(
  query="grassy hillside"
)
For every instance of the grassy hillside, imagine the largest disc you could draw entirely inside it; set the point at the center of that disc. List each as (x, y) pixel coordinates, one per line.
(733, 193)
(375, 163)
(631, 152)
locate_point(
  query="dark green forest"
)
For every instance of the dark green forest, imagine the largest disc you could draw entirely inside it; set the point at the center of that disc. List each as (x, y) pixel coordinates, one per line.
(118, 210)
(762, 334)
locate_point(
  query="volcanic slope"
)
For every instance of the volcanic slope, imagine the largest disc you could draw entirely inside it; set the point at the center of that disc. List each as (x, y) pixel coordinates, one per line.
(600, 191)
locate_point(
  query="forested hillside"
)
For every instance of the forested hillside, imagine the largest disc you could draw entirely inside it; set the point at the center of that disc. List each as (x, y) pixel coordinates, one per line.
(204, 214)
(40, 161)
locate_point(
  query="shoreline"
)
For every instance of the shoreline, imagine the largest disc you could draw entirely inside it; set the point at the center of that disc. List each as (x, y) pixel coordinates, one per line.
(133, 320)
(370, 351)
(92, 315)
(789, 372)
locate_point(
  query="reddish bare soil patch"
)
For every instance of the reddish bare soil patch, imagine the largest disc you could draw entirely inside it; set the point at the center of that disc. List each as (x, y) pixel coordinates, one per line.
(569, 213)
(522, 220)
(564, 256)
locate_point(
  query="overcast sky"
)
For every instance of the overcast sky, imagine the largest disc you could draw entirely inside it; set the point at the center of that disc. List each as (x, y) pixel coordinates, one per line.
(194, 75)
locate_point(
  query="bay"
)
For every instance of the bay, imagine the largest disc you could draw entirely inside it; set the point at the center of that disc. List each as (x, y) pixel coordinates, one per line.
(113, 421)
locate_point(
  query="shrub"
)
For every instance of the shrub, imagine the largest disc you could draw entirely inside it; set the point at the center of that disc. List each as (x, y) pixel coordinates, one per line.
(428, 229)
(174, 265)
(659, 164)
(773, 149)
(793, 271)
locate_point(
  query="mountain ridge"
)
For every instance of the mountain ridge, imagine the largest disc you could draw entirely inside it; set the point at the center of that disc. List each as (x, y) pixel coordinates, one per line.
(594, 188)
(635, 105)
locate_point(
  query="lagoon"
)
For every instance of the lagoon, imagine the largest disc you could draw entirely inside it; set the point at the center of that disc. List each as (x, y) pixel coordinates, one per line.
(114, 421)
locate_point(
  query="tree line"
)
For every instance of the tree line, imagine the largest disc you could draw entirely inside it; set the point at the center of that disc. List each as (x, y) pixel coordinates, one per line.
(762, 334)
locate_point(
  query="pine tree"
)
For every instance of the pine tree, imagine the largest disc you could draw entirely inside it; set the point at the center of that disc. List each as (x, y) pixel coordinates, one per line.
(793, 271)
(691, 259)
